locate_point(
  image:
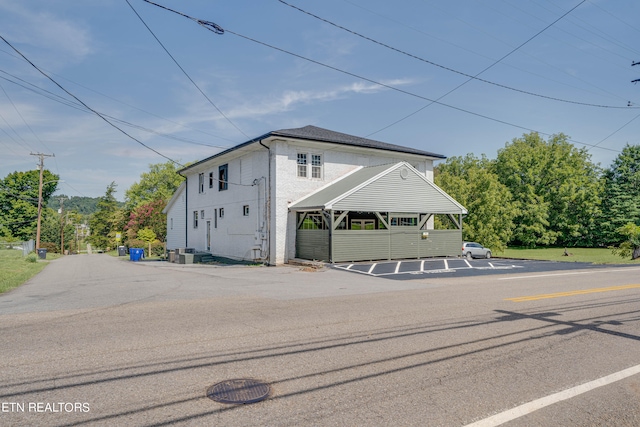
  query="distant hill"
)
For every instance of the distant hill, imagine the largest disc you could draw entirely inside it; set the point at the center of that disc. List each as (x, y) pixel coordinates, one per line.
(82, 205)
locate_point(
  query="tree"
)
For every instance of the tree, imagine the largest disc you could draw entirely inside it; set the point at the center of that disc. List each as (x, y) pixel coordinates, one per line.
(105, 221)
(19, 202)
(556, 189)
(148, 215)
(631, 246)
(471, 182)
(159, 183)
(621, 196)
(147, 235)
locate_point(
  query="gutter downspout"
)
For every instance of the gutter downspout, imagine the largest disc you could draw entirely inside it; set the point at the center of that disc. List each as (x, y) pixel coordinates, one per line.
(267, 203)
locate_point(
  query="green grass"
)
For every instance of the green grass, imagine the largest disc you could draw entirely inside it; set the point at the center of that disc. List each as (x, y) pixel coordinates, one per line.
(591, 255)
(15, 269)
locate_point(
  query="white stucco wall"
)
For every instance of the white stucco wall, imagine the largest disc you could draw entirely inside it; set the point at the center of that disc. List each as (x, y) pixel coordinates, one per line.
(176, 220)
(233, 234)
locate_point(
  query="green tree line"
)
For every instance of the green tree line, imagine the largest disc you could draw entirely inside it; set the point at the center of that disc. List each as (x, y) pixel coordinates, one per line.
(539, 192)
(69, 223)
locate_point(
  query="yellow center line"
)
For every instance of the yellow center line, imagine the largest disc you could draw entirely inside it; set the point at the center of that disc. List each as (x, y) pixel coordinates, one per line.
(571, 293)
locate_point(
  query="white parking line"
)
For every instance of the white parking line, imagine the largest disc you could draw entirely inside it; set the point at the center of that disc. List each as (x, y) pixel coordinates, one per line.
(447, 268)
(372, 267)
(527, 408)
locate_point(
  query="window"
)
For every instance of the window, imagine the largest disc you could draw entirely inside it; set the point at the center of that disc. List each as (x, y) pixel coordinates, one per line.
(221, 212)
(316, 166)
(363, 224)
(201, 183)
(302, 165)
(215, 218)
(313, 222)
(195, 219)
(171, 223)
(211, 180)
(245, 210)
(223, 177)
(202, 214)
(397, 221)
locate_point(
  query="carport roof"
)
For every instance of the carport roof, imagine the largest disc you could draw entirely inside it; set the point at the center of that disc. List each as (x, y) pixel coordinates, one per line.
(379, 189)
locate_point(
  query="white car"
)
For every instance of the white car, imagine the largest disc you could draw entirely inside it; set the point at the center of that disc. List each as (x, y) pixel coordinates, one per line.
(475, 250)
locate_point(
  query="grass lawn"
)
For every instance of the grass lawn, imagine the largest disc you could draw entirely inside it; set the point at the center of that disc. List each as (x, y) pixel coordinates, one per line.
(15, 269)
(592, 255)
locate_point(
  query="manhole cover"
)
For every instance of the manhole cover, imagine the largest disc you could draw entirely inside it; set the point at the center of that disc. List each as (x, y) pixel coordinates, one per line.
(239, 391)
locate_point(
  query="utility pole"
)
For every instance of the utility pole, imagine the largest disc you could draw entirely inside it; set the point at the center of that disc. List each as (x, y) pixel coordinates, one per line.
(62, 224)
(41, 167)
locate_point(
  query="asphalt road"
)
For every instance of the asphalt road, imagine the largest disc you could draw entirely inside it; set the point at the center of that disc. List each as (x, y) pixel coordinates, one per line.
(95, 340)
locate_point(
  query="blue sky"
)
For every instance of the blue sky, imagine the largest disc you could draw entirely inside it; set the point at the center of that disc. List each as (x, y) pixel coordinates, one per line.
(101, 52)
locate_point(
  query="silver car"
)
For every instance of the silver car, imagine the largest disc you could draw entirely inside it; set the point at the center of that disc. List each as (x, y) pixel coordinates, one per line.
(475, 250)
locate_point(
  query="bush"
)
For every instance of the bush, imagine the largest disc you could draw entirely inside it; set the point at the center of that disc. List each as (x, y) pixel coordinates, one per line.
(31, 258)
(157, 247)
(50, 247)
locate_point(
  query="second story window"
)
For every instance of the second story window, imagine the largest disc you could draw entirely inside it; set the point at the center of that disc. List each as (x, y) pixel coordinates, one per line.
(201, 183)
(302, 165)
(309, 165)
(223, 177)
(316, 166)
(211, 179)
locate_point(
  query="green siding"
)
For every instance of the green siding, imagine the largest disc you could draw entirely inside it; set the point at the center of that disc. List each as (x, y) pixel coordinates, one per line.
(365, 245)
(312, 244)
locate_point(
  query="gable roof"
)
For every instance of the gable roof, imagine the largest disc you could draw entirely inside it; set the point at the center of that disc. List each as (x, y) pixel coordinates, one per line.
(368, 189)
(313, 133)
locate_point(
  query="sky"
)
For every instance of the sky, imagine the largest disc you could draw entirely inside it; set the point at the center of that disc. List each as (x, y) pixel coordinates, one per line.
(110, 87)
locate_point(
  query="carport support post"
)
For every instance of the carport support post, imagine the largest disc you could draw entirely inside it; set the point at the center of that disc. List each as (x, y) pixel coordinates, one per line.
(331, 221)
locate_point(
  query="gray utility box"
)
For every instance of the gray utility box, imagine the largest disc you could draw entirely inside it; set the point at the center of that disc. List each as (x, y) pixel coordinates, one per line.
(172, 256)
(185, 259)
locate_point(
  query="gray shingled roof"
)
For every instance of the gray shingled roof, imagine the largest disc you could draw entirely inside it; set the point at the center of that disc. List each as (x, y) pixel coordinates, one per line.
(313, 133)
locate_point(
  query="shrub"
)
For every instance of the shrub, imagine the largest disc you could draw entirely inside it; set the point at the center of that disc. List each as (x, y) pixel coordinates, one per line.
(50, 247)
(31, 258)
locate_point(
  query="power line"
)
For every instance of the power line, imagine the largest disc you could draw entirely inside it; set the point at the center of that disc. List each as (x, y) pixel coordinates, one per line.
(184, 72)
(471, 77)
(85, 105)
(487, 68)
(527, 71)
(57, 98)
(209, 25)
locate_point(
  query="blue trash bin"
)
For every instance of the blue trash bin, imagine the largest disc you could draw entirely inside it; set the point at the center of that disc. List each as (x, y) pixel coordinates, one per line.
(136, 254)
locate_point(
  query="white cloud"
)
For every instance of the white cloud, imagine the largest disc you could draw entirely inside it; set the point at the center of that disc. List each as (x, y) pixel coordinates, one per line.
(58, 36)
(289, 100)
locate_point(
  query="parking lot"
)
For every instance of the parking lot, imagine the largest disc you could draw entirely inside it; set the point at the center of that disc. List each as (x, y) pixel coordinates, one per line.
(459, 267)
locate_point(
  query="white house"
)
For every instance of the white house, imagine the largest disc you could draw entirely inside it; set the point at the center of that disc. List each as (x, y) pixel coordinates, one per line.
(316, 194)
